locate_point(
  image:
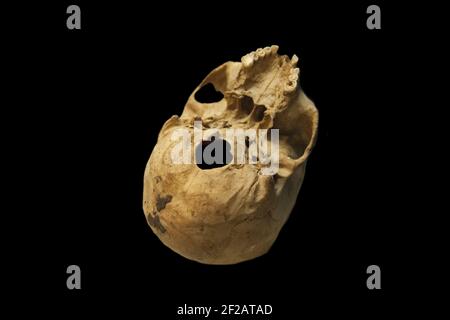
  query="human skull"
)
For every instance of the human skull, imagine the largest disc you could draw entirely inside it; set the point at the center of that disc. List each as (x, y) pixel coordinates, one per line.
(233, 213)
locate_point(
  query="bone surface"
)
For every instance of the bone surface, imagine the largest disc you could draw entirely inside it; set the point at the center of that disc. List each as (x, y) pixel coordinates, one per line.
(233, 213)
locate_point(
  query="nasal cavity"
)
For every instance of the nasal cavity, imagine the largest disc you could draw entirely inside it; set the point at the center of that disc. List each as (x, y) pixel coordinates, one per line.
(208, 94)
(212, 154)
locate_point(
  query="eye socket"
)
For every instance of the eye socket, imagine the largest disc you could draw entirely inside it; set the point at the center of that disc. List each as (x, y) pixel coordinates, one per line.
(208, 94)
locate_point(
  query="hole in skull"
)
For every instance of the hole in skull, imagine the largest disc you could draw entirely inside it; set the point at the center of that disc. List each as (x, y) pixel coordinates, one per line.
(213, 154)
(208, 94)
(258, 114)
(247, 104)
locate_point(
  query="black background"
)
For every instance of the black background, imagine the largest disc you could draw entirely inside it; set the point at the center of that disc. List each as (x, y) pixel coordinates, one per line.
(101, 95)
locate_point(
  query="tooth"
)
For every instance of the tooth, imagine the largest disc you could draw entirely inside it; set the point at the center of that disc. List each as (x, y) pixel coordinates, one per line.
(255, 55)
(291, 87)
(293, 74)
(294, 60)
(293, 77)
(260, 53)
(267, 51)
(274, 49)
(247, 60)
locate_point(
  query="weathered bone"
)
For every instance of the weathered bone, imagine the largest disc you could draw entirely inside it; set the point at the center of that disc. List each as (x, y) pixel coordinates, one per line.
(233, 213)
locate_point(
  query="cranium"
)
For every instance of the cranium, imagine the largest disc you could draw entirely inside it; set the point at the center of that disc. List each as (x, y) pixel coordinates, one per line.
(233, 213)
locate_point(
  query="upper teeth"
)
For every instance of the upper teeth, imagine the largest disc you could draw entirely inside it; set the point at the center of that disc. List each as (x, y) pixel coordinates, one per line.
(247, 60)
(274, 49)
(294, 60)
